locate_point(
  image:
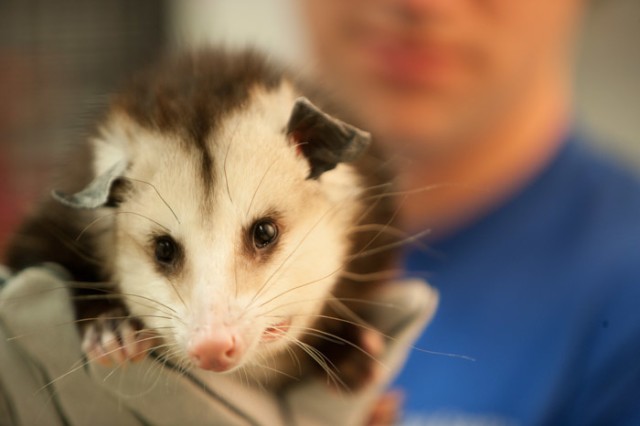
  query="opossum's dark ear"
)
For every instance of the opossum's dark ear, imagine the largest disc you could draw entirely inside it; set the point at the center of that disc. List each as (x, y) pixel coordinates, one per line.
(323, 139)
(99, 193)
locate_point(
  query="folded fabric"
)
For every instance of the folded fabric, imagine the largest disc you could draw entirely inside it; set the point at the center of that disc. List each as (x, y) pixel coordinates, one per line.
(46, 380)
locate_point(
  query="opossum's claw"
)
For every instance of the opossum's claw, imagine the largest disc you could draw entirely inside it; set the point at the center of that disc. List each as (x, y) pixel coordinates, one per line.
(112, 341)
(360, 367)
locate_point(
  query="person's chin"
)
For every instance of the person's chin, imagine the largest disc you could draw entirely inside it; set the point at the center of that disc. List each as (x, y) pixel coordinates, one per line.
(407, 119)
(415, 141)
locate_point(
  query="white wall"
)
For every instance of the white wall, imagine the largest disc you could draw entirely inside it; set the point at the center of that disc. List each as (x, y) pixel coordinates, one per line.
(267, 24)
(608, 76)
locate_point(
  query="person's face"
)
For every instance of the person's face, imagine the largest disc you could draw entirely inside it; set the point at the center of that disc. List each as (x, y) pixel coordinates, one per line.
(421, 73)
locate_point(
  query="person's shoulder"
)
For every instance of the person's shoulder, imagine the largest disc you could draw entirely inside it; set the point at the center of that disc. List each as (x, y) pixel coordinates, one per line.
(610, 292)
(608, 190)
(602, 218)
(606, 175)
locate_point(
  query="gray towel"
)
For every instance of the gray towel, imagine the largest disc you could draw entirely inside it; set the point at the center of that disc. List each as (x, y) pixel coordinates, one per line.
(45, 380)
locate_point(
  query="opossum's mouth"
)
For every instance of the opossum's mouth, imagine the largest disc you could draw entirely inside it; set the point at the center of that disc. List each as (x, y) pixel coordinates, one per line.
(276, 331)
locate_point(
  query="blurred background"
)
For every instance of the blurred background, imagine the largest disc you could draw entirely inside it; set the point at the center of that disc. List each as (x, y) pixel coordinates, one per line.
(60, 61)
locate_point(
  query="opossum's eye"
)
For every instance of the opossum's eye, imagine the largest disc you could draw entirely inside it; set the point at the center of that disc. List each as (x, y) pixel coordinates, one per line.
(166, 250)
(265, 232)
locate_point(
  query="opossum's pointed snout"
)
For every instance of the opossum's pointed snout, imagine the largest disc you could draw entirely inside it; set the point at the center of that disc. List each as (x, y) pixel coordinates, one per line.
(216, 350)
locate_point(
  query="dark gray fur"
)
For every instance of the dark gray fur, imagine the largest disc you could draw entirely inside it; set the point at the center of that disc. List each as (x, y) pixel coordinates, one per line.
(324, 140)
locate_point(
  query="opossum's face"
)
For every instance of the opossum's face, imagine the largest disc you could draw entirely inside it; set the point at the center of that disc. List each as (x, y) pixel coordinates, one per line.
(226, 248)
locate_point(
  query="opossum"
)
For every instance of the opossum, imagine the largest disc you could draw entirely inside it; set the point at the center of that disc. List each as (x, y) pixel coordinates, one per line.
(224, 216)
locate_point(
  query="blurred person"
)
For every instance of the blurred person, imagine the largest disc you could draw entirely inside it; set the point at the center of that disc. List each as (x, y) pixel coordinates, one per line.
(535, 238)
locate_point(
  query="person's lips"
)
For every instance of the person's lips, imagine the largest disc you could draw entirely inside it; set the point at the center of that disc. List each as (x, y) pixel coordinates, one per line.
(408, 62)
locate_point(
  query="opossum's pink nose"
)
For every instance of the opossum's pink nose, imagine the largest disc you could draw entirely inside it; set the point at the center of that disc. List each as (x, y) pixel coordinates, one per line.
(217, 351)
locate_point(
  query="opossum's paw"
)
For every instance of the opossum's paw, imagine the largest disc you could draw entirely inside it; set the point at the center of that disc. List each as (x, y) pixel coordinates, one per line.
(114, 339)
(359, 365)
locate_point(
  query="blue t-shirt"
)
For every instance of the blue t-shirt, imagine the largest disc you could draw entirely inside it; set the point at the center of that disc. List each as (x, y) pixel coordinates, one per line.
(544, 294)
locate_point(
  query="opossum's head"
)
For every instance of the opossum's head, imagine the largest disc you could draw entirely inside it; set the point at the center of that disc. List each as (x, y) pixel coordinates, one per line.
(227, 242)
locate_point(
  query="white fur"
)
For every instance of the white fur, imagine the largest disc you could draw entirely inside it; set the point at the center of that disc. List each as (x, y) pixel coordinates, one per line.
(256, 172)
